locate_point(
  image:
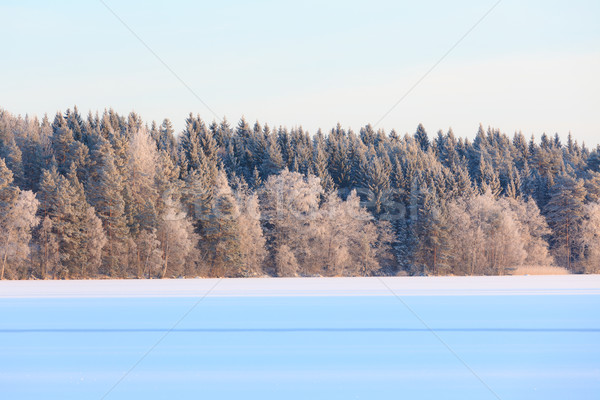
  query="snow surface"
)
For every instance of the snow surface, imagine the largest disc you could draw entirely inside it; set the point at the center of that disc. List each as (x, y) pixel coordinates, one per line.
(385, 286)
(438, 338)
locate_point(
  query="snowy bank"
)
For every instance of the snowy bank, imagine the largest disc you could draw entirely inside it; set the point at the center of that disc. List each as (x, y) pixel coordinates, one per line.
(372, 286)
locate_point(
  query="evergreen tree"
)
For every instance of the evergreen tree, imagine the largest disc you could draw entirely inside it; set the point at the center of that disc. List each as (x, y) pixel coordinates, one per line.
(220, 232)
(189, 142)
(73, 222)
(430, 229)
(252, 241)
(320, 165)
(49, 254)
(422, 138)
(564, 212)
(140, 189)
(166, 140)
(375, 179)
(105, 194)
(589, 238)
(339, 162)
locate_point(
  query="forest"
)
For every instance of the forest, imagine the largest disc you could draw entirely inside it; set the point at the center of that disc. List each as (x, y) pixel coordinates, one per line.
(111, 196)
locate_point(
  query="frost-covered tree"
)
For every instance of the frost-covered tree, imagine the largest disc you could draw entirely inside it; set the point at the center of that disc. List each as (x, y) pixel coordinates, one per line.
(290, 208)
(105, 194)
(48, 253)
(429, 225)
(176, 236)
(311, 235)
(252, 241)
(589, 238)
(135, 179)
(493, 232)
(145, 256)
(422, 138)
(74, 224)
(16, 224)
(219, 231)
(564, 213)
(140, 183)
(533, 229)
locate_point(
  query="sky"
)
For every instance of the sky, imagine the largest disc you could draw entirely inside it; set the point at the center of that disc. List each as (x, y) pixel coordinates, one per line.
(530, 66)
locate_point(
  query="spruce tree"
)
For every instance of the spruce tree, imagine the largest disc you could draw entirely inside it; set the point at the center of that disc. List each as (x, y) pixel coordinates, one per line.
(564, 212)
(220, 232)
(105, 194)
(73, 222)
(422, 138)
(430, 228)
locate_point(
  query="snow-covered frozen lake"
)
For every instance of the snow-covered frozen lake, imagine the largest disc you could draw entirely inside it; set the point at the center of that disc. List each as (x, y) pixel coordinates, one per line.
(340, 338)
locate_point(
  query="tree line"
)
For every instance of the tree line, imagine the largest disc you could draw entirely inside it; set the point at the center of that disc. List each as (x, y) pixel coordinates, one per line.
(112, 196)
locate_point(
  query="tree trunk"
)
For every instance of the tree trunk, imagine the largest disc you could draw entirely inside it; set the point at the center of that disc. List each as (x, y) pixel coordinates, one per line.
(3, 263)
(5, 254)
(164, 272)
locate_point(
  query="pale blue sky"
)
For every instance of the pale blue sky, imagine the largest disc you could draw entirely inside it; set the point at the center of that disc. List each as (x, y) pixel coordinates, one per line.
(529, 65)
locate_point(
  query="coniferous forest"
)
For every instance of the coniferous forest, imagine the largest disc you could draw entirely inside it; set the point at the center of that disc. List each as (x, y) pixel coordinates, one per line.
(114, 196)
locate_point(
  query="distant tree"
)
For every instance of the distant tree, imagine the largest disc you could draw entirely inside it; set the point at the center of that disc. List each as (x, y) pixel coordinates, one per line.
(290, 208)
(122, 200)
(375, 180)
(177, 239)
(49, 255)
(564, 213)
(430, 227)
(422, 138)
(252, 241)
(220, 232)
(140, 187)
(74, 224)
(589, 238)
(17, 218)
(105, 194)
(494, 234)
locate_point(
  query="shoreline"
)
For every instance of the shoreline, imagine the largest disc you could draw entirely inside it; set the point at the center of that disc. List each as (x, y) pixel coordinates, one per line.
(305, 287)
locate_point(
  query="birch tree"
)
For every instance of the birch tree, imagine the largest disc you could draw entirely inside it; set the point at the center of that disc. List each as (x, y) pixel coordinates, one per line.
(16, 226)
